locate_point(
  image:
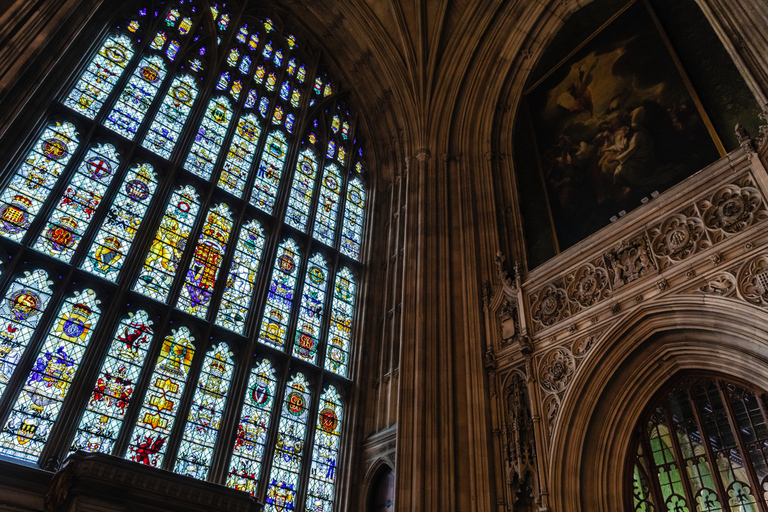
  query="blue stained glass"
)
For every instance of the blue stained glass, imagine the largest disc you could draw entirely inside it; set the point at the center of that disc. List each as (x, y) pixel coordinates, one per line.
(102, 74)
(203, 270)
(325, 453)
(210, 137)
(245, 64)
(289, 119)
(328, 205)
(107, 253)
(202, 428)
(242, 34)
(263, 106)
(134, 101)
(148, 442)
(114, 389)
(163, 258)
(170, 119)
(291, 437)
(45, 388)
(270, 171)
(311, 310)
(267, 52)
(30, 186)
(65, 227)
(250, 101)
(340, 330)
(277, 310)
(223, 82)
(285, 90)
(352, 226)
(251, 437)
(236, 300)
(172, 50)
(240, 155)
(20, 311)
(278, 60)
(302, 189)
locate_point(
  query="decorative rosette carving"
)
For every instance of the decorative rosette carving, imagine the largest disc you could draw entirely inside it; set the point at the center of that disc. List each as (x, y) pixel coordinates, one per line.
(549, 306)
(556, 370)
(677, 238)
(588, 286)
(752, 281)
(733, 208)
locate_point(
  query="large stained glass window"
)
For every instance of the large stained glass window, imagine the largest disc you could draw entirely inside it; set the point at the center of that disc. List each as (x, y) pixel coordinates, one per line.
(179, 237)
(700, 447)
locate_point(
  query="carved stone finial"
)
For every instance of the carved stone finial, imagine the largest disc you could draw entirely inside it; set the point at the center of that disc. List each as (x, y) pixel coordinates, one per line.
(503, 272)
(744, 139)
(489, 361)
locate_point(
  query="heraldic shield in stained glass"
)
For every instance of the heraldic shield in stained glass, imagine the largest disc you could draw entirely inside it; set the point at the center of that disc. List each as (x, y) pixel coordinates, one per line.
(291, 436)
(120, 196)
(251, 437)
(22, 199)
(42, 396)
(161, 402)
(202, 428)
(114, 389)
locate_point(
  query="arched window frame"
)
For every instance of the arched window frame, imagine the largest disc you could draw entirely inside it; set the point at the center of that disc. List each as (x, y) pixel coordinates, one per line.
(164, 316)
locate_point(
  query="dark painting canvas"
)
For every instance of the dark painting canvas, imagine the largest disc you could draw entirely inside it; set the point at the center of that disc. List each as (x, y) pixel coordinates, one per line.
(616, 122)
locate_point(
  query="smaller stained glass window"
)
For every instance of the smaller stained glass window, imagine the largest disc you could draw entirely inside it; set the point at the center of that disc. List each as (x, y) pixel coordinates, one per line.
(72, 215)
(172, 50)
(210, 136)
(159, 41)
(245, 64)
(202, 428)
(170, 119)
(242, 34)
(311, 310)
(97, 81)
(203, 270)
(277, 309)
(29, 188)
(113, 391)
(237, 86)
(253, 42)
(223, 82)
(271, 82)
(234, 55)
(20, 311)
(238, 290)
(163, 258)
(224, 22)
(340, 330)
(250, 101)
(270, 171)
(325, 453)
(185, 26)
(328, 205)
(352, 227)
(251, 437)
(37, 406)
(107, 253)
(148, 442)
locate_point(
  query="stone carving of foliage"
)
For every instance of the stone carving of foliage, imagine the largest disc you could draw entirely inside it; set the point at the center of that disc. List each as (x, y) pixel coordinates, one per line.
(629, 261)
(722, 285)
(551, 408)
(583, 345)
(588, 286)
(549, 306)
(732, 209)
(677, 238)
(752, 281)
(556, 370)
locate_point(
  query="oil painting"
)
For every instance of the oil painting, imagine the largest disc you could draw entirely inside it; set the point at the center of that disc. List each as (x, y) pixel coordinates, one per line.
(616, 122)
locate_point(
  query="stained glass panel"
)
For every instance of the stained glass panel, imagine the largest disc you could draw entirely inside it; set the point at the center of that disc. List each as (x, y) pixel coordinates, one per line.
(303, 186)
(251, 437)
(114, 388)
(291, 436)
(311, 310)
(30, 186)
(107, 253)
(352, 227)
(277, 310)
(236, 300)
(270, 171)
(133, 103)
(20, 311)
(240, 156)
(339, 333)
(204, 268)
(325, 453)
(202, 428)
(160, 265)
(328, 205)
(72, 215)
(161, 403)
(37, 406)
(210, 137)
(169, 121)
(96, 82)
